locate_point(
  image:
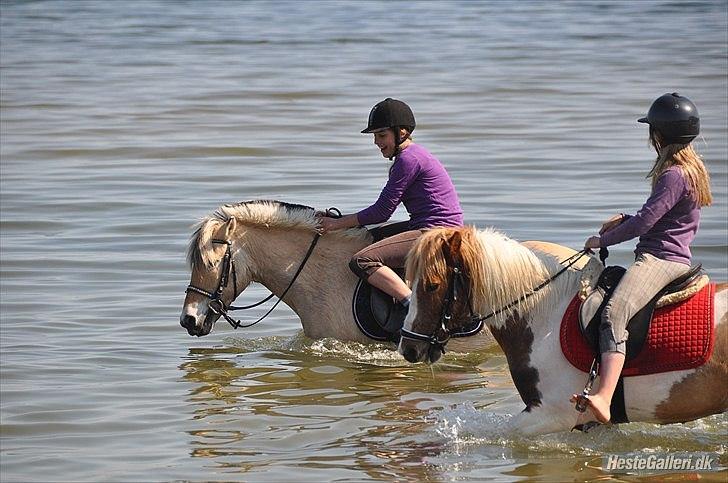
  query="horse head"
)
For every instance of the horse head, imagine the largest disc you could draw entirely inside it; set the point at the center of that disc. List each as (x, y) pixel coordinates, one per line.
(444, 269)
(218, 273)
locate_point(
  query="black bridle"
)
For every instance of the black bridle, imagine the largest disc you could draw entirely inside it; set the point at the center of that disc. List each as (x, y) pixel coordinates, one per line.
(218, 307)
(442, 333)
(457, 279)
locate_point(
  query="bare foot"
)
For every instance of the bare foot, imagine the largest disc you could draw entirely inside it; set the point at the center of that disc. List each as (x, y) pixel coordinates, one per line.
(598, 405)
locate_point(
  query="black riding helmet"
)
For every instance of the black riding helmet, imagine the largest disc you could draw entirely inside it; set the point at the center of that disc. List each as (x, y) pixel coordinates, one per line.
(675, 117)
(391, 114)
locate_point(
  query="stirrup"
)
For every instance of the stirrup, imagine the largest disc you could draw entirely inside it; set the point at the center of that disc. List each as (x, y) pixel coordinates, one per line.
(582, 400)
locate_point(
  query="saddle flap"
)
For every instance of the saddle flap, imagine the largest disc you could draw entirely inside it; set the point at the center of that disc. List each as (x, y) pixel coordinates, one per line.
(376, 313)
(382, 305)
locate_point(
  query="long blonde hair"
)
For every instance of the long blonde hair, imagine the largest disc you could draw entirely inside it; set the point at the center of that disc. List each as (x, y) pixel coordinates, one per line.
(690, 163)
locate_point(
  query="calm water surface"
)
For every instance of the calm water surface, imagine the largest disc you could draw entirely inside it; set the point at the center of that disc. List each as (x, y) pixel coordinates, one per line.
(124, 122)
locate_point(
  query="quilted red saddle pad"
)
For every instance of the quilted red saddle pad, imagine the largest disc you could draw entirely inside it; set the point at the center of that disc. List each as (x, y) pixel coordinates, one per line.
(680, 337)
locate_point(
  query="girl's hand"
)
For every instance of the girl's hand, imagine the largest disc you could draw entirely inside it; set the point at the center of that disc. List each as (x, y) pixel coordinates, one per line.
(611, 223)
(592, 242)
(327, 224)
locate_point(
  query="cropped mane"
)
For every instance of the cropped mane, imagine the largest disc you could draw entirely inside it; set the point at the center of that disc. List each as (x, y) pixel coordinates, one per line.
(268, 213)
(500, 269)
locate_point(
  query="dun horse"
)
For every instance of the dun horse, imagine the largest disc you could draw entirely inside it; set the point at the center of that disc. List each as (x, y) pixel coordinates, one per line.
(456, 273)
(266, 242)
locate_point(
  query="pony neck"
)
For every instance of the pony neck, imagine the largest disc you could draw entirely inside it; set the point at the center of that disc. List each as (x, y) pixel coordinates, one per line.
(508, 276)
(274, 254)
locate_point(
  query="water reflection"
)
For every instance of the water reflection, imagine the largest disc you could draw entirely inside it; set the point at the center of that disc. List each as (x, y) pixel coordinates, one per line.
(316, 410)
(287, 404)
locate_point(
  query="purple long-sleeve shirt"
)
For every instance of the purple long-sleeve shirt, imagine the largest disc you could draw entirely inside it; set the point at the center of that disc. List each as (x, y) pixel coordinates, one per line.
(420, 181)
(666, 223)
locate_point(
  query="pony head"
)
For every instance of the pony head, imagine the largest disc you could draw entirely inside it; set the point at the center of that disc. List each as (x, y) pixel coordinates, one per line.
(444, 269)
(218, 274)
(223, 259)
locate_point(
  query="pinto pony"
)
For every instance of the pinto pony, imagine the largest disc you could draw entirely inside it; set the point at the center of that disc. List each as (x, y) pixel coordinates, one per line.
(458, 274)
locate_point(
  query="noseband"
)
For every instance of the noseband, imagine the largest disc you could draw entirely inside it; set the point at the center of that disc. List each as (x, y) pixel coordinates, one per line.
(442, 334)
(218, 307)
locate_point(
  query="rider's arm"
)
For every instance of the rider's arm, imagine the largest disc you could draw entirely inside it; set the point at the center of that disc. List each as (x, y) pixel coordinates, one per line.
(668, 190)
(403, 172)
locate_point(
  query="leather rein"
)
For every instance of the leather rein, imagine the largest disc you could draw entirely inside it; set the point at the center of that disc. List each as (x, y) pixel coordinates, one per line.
(218, 307)
(442, 334)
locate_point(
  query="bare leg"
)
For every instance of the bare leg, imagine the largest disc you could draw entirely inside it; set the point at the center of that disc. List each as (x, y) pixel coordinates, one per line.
(389, 282)
(609, 372)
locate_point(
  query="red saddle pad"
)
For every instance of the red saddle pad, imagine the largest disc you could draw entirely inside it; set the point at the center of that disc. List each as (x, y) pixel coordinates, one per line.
(680, 337)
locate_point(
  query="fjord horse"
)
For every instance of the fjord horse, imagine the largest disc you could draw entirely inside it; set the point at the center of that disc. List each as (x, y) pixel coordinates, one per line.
(266, 242)
(456, 273)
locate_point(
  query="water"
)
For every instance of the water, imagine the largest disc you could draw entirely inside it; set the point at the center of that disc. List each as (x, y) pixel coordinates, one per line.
(124, 122)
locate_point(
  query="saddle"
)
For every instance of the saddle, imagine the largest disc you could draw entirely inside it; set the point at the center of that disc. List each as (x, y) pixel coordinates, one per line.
(674, 331)
(376, 313)
(590, 312)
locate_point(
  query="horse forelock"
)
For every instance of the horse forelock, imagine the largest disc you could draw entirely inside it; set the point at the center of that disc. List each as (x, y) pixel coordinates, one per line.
(267, 213)
(426, 260)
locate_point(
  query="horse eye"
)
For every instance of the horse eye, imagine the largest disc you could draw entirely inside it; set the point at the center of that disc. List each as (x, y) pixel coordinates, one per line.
(431, 286)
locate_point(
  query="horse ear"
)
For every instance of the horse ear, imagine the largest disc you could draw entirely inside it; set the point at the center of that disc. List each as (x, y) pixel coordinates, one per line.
(451, 249)
(230, 226)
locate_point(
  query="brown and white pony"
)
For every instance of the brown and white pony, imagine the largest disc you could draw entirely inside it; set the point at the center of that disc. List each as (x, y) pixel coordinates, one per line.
(496, 271)
(268, 241)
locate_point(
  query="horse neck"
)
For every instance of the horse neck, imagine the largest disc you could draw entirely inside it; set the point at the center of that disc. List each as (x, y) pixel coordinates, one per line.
(274, 255)
(512, 272)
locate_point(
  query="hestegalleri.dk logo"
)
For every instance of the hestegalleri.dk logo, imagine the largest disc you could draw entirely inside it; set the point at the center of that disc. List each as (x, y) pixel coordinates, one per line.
(661, 462)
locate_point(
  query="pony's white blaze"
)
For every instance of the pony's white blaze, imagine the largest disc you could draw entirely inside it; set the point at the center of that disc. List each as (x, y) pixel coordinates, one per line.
(412, 310)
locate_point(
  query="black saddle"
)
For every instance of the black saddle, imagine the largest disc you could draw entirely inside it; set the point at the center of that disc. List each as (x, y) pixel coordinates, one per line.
(377, 314)
(639, 324)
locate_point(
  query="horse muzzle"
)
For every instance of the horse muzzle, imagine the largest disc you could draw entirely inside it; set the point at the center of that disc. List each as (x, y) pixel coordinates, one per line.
(416, 351)
(189, 322)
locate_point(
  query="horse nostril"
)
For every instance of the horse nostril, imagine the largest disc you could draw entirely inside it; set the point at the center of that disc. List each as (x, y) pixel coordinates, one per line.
(410, 355)
(188, 321)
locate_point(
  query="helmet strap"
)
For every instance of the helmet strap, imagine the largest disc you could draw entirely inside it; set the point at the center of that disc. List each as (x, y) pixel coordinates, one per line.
(398, 140)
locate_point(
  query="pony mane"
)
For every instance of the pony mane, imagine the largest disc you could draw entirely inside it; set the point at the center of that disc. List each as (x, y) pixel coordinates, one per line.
(500, 270)
(268, 213)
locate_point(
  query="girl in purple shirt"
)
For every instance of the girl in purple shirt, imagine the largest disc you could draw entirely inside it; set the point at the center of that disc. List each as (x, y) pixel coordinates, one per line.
(666, 225)
(417, 180)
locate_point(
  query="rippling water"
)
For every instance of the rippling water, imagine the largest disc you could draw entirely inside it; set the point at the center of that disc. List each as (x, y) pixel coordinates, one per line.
(124, 122)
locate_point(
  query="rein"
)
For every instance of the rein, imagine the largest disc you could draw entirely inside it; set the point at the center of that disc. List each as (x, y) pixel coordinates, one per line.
(218, 307)
(576, 257)
(476, 321)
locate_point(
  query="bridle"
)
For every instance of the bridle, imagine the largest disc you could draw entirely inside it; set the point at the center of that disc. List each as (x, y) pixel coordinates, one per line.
(442, 334)
(218, 307)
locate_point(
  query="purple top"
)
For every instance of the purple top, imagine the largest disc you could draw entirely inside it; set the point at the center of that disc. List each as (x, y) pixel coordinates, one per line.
(420, 181)
(666, 223)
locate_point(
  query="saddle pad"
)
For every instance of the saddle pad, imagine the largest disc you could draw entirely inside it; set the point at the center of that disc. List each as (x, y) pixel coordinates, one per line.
(680, 337)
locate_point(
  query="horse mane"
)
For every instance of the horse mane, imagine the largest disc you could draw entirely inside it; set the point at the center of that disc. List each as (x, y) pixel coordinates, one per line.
(500, 270)
(268, 213)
